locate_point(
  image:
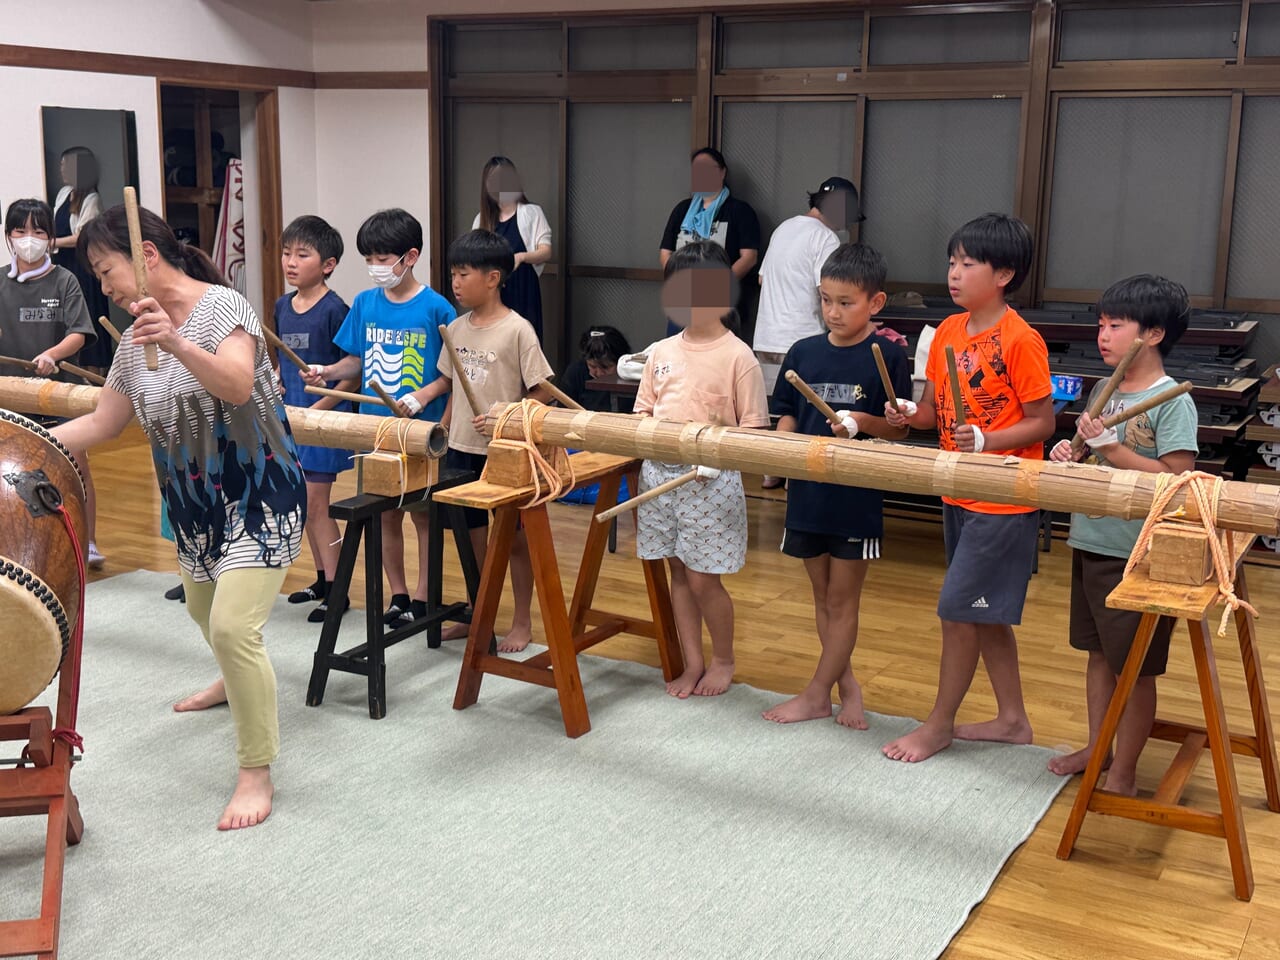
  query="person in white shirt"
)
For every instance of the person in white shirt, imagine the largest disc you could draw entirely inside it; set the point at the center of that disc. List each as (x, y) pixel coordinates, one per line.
(790, 274)
(506, 211)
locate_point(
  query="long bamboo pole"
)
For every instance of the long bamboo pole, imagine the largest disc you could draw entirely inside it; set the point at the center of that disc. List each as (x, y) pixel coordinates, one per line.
(151, 352)
(1069, 487)
(317, 428)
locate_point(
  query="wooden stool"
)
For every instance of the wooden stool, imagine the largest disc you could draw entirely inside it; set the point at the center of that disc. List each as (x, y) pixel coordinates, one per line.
(1196, 605)
(363, 517)
(41, 789)
(568, 630)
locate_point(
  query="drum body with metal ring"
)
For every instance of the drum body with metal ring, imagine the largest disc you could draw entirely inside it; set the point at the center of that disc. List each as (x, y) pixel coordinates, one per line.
(39, 577)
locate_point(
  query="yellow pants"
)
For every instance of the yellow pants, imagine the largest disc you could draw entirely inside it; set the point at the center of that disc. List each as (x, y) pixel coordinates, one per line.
(231, 612)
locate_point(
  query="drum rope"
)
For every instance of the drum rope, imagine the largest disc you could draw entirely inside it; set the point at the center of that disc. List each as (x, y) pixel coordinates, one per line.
(68, 733)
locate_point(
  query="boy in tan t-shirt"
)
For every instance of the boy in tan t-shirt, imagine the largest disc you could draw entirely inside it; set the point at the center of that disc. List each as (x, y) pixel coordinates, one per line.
(498, 353)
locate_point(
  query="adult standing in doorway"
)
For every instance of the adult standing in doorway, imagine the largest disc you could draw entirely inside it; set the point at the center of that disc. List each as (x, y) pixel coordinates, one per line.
(506, 211)
(711, 213)
(77, 203)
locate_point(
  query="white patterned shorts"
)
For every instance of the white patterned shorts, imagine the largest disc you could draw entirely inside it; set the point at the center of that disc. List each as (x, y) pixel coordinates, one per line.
(703, 524)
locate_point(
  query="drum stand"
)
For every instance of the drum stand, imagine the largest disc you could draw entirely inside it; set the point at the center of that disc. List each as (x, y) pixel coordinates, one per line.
(42, 788)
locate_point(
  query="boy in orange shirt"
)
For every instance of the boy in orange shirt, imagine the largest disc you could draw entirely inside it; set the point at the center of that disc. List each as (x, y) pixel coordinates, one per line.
(1008, 409)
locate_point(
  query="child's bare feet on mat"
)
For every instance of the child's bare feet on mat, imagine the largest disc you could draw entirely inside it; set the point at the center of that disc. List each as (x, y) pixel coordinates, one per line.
(716, 680)
(851, 714)
(684, 684)
(920, 744)
(457, 631)
(516, 640)
(1072, 763)
(997, 731)
(806, 706)
(251, 802)
(210, 696)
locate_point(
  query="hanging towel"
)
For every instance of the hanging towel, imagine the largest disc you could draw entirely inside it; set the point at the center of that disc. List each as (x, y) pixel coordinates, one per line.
(228, 247)
(699, 219)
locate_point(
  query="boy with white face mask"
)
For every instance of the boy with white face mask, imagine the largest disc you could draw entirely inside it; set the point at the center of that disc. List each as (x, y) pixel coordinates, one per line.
(391, 335)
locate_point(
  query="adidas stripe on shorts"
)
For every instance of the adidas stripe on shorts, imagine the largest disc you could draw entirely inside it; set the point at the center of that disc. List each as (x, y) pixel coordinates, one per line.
(989, 561)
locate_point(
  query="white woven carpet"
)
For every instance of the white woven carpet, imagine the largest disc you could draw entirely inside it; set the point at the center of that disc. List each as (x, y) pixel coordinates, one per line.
(673, 829)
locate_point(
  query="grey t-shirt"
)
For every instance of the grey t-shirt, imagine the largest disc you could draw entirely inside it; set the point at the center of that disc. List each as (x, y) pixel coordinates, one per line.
(38, 314)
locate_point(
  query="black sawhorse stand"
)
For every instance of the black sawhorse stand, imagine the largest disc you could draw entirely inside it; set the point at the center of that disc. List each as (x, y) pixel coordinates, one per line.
(363, 516)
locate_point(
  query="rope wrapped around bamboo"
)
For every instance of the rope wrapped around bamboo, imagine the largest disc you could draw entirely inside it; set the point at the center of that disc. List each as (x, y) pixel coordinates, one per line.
(1068, 487)
(317, 428)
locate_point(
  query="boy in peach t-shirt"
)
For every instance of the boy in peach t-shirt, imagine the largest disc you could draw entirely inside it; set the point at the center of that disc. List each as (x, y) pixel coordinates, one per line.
(1003, 368)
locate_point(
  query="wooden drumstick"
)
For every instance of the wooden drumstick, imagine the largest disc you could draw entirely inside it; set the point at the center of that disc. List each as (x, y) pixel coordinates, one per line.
(822, 406)
(353, 397)
(110, 328)
(280, 346)
(564, 398)
(387, 399)
(71, 368)
(604, 516)
(459, 374)
(1104, 395)
(884, 376)
(151, 351)
(1142, 406)
(957, 396)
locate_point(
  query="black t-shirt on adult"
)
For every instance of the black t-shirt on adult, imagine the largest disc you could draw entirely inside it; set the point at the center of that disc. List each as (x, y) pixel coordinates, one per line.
(736, 228)
(847, 379)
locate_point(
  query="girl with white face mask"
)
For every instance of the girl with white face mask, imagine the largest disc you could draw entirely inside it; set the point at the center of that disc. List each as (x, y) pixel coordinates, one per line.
(43, 317)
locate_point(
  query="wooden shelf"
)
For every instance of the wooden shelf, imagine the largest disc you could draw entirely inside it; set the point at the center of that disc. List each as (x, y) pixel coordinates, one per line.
(1257, 429)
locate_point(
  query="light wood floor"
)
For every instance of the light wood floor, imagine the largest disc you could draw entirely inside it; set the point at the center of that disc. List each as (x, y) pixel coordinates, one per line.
(1131, 890)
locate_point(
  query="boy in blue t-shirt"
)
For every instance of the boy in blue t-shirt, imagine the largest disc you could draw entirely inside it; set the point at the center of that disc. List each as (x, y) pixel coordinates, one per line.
(307, 321)
(1162, 440)
(836, 529)
(392, 336)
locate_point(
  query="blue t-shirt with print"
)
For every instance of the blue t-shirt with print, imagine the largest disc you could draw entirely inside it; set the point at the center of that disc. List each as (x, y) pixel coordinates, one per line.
(398, 344)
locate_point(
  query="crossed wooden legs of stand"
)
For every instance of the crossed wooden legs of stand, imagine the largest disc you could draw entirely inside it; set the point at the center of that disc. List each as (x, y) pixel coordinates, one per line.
(1164, 807)
(43, 788)
(569, 630)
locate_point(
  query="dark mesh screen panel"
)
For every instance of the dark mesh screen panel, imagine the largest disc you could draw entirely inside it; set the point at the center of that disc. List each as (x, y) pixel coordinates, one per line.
(628, 165)
(1137, 188)
(633, 306)
(751, 44)
(806, 143)
(1254, 270)
(928, 167)
(526, 133)
(1150, 33)
(527, 49)
(1264, 30)
(665, 46)
(951, 38)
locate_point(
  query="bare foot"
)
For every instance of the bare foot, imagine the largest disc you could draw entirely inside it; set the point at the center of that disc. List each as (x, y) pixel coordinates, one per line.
(920, 744)
(1125, 785)
(798, 709)
(684, 684)
(210, 696)
(251, 802)
(997, 731)
(458, 631)
(516, 640)
(716, 680)
(1069, 764)
(851, 714)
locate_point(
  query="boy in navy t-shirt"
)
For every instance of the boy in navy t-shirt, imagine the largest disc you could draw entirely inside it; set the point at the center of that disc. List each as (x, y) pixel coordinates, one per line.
(836, 529)
(392, 336)
(307, 321)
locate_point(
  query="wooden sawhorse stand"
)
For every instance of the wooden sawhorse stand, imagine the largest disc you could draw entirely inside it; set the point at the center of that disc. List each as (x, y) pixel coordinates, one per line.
(1196, 605)
(363, 516)
(570, 630)
(42, 789)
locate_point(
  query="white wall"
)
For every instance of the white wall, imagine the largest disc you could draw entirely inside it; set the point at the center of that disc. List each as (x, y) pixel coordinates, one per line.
(260, 33)
(22, 168)
(371, 153)
(361, 35)
(297, 152)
